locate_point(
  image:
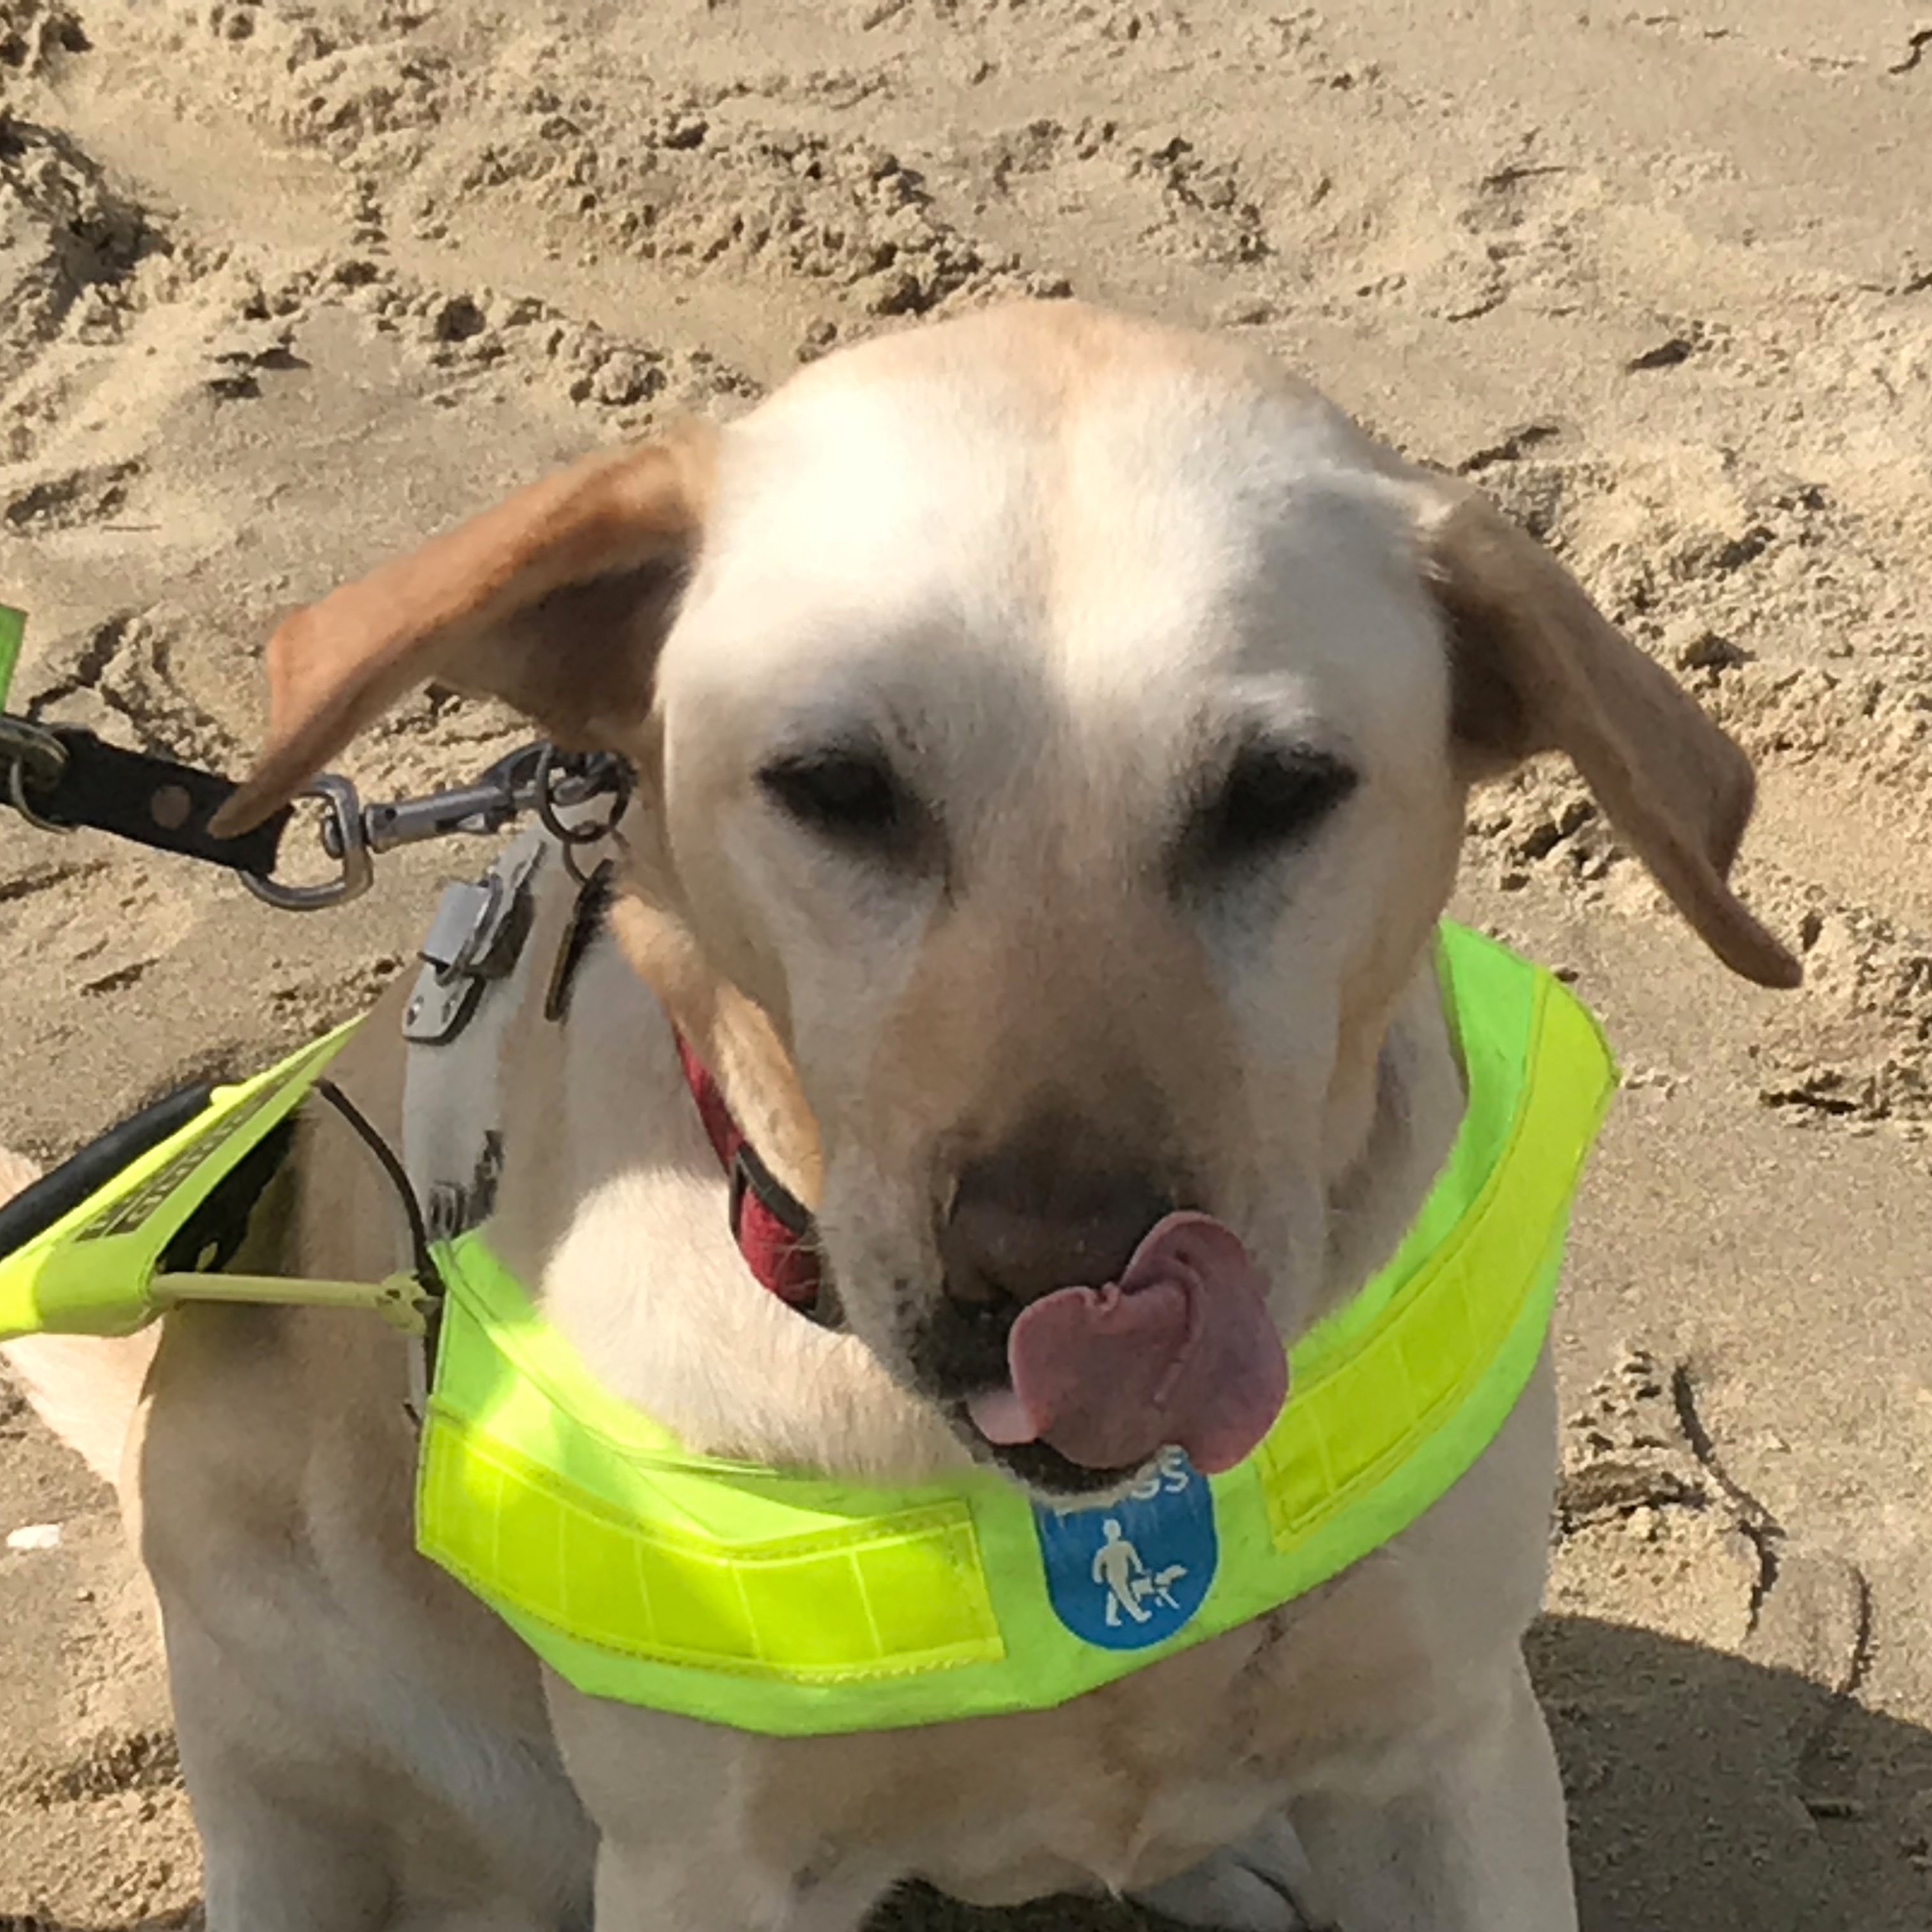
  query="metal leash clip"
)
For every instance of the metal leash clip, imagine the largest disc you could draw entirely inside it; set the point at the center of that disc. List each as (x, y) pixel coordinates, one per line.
(62, 777)
(536, 778)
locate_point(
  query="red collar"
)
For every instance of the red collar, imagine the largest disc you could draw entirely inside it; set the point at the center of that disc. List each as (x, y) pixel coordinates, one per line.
(772, 1226)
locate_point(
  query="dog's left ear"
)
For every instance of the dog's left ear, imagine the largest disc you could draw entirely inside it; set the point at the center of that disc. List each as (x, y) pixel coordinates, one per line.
(1536, 667)
(556, 602)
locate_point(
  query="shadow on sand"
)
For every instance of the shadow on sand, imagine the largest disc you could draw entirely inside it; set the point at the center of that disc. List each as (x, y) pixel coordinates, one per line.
(1707, 1794)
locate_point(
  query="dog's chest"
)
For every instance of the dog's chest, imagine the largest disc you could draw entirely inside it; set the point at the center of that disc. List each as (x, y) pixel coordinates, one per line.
(1114, 1792)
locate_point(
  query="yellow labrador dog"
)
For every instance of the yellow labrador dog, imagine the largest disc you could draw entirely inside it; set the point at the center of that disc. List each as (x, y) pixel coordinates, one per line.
(1053, 734)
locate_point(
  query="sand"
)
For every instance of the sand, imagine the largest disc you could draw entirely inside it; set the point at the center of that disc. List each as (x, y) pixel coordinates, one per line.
(285, 287)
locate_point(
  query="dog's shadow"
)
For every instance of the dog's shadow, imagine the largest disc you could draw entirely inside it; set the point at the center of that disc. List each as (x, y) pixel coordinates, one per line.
(1706, 1795)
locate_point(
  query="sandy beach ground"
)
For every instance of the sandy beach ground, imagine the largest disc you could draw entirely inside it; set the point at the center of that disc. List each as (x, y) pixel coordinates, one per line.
(285, 287)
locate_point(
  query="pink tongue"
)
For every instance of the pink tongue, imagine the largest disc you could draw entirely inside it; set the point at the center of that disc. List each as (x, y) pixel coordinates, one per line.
(1181, 1350)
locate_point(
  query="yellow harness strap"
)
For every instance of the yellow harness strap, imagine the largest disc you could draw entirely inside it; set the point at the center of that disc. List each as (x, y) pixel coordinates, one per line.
(787, 1603)
(98, 1268)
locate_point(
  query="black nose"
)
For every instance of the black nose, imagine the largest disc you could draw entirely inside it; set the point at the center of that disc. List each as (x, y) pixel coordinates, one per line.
(1027, 1221)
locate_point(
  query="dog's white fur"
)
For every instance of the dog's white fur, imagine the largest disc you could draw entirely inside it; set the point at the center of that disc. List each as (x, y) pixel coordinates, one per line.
(1050, 564)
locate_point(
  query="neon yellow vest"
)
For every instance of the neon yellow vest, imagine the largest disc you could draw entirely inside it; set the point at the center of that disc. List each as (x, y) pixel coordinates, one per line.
(783, 1602)
(788, 1603)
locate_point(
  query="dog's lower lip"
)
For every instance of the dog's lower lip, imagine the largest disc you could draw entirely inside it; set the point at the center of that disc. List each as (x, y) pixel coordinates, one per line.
(1035, 1466)
(1040, 1467)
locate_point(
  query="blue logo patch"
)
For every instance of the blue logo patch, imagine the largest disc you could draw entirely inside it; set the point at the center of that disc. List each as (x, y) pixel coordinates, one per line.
(1128, 1573)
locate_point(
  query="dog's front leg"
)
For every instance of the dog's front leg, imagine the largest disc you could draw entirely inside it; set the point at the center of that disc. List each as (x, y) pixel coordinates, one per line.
(703, 1829)
(1479, 1843)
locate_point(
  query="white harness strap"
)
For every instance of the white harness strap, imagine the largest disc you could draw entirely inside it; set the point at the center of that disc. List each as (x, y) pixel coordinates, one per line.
(475, 977)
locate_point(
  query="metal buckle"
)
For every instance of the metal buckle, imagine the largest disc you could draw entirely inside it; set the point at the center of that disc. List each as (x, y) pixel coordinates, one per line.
(459, 933)
(476, 936)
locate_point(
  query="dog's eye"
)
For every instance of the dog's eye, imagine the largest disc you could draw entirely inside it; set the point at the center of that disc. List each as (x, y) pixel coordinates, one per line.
(1272, 795)
(845, 795)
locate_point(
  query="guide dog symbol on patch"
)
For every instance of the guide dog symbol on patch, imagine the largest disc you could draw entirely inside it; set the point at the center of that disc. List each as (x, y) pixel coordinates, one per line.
(1131, 1572)
(1118, 1570)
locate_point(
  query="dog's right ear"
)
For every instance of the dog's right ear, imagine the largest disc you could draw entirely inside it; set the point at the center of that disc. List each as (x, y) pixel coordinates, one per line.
(556, 602)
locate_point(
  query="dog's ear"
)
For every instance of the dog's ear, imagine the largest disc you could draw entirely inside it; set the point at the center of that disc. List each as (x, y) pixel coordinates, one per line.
(1537, 667)
(555, 601)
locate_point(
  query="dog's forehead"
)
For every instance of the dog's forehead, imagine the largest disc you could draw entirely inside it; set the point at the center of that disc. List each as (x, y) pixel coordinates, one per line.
(987, 506)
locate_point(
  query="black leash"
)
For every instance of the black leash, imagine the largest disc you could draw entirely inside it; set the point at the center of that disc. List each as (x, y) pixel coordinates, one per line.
(62, 778)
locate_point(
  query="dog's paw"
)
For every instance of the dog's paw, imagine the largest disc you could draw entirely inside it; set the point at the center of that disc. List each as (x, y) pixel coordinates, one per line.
(1260, 1883)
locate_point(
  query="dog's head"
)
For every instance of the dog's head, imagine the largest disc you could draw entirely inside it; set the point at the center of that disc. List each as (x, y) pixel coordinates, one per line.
(1054, 734)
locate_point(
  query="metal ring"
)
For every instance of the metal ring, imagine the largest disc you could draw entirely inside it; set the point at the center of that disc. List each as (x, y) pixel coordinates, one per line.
(573, 838)
(16, 795)
(343, 811)
(590, 832)
(30, 744)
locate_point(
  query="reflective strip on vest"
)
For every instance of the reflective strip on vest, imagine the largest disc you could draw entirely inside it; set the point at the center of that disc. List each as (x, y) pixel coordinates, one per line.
(789, 1604)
